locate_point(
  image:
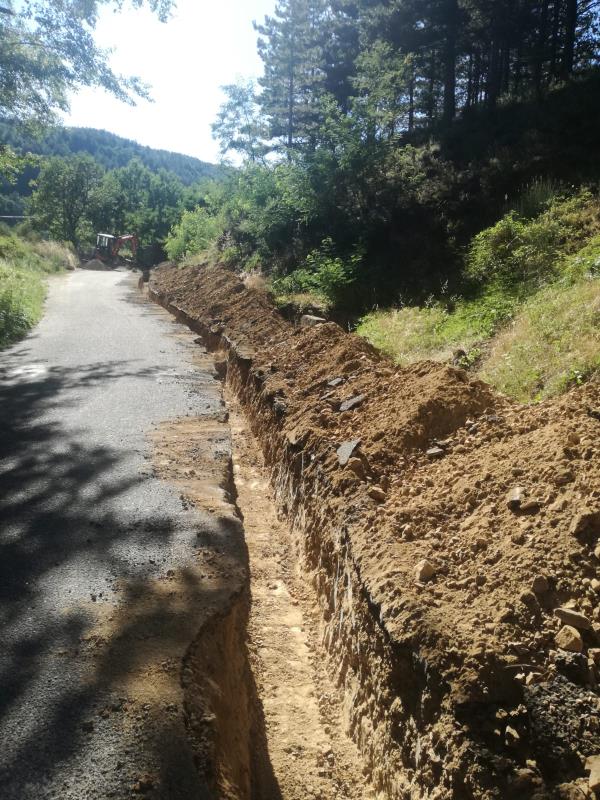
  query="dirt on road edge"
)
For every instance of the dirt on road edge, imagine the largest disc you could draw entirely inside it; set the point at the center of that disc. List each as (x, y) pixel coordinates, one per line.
(452, 540)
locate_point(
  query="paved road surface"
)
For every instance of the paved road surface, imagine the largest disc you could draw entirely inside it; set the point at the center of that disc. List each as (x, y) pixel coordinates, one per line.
(81, 517)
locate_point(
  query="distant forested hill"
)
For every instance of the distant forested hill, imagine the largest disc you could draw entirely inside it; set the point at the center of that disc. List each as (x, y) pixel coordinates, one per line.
(108, 149)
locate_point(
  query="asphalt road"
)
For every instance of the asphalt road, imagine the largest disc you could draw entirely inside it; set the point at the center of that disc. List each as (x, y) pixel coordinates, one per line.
(83, 518)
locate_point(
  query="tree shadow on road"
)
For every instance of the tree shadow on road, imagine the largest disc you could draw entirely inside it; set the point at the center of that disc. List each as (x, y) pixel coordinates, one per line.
(92, 624)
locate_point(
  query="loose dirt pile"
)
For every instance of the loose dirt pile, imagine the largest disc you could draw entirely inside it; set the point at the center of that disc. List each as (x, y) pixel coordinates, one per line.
(452, 537)
(96, 264)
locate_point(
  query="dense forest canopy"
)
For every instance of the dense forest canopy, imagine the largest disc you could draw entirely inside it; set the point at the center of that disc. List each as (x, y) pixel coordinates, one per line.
(383, 134)
(402, 64)
(176, 180)
(108, 149)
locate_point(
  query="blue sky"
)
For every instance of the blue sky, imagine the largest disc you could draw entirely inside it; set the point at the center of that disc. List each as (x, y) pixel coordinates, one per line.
(207, 43)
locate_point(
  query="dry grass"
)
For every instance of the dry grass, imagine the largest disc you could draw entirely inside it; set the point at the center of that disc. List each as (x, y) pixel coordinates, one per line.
(62, 255)
(256, 281)
(554, 343)
(408, 334)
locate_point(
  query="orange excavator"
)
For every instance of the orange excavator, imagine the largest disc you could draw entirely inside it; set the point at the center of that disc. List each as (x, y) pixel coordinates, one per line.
(108, 247)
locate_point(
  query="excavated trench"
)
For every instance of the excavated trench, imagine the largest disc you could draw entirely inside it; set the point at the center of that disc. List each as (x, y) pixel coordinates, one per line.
(432, 708)
(260, 709)
(364, 676)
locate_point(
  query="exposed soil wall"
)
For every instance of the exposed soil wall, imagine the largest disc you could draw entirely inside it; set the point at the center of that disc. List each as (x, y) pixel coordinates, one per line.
(452, 540)
(221, 711)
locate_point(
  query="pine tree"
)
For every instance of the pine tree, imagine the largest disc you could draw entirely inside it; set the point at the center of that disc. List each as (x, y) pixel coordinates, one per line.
(291, 48)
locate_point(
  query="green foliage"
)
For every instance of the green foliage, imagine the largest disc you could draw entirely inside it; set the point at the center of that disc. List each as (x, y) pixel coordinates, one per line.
(325, 275)
(408, 334)
(538, 314)
(239, 126)
(382, 80)
(553, 344)
(74, 198)
(434, 332)
(585, 263)
(519, 250)
(62, 196)
(12, 164)
(515, 250)
(23, 266)
(108, 149)
(536, 196)
(195, 233)
(48, 49)
(291, 45)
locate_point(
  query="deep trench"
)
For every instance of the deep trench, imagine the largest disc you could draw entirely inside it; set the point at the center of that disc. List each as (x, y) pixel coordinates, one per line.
(392, 705)
(367, 673)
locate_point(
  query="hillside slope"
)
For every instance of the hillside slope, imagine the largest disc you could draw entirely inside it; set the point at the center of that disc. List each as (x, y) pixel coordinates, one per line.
(110, 150)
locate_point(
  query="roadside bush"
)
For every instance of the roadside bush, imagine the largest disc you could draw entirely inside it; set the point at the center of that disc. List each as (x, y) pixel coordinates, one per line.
(325, 275)
(585, 263)
(195, 233)
(517, 250)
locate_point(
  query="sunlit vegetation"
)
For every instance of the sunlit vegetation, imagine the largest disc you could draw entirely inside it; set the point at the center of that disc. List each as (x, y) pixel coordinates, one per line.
(24, 266)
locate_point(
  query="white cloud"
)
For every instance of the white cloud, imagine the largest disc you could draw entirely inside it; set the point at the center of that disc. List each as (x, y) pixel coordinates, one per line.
(185, 61)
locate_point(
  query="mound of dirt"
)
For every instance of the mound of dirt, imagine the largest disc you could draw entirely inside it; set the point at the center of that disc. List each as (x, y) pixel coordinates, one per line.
(453, 537)
(96, 264)
(220, 300)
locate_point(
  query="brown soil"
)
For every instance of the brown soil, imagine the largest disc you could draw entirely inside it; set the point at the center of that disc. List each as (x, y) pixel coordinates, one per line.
(454, 685)
(308, 753)
(96, 264)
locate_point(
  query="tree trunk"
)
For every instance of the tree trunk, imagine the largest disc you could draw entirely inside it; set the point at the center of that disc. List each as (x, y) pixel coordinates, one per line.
(568, 59)
(411, 101)
(290, 98)
(431, 97)
(554, 40)
(450, 61)
(538, 68)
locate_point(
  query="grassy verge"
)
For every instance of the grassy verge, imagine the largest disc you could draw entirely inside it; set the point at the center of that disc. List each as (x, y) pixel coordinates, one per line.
(412, 334)
(553, 343)
(534, 329)
(24, 266)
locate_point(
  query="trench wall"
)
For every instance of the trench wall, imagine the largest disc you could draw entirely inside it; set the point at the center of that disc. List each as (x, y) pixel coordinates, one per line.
(393, 702)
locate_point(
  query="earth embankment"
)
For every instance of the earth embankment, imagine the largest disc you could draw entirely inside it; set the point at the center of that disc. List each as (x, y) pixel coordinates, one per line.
(450, 535)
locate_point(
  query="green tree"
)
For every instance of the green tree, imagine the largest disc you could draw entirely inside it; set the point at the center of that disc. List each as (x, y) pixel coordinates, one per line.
(291, 48)
(239, 125)
(47, 49)
(61, 201)
(383, 86)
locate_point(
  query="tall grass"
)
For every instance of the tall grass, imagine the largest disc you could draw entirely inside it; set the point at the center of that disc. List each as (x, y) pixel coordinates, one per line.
(23, 268)
(533, 328)
(553, 344)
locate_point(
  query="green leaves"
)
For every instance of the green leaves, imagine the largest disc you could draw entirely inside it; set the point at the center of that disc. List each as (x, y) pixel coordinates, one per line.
(239, 126)
(75, 198)
(47, 49)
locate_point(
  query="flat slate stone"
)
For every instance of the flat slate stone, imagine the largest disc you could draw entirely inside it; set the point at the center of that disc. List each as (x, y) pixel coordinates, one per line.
(352, 402)
(435, 452)
(345, 450)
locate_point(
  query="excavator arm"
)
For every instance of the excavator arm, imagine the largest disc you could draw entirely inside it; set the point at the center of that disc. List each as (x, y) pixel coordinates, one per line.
(130, 239)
